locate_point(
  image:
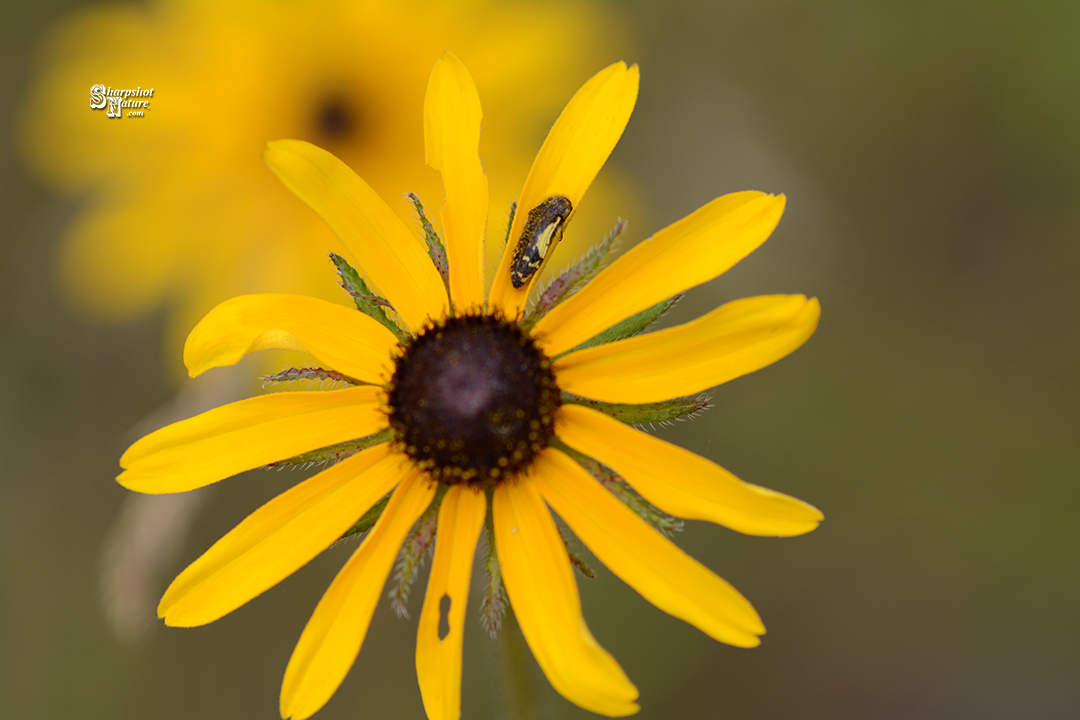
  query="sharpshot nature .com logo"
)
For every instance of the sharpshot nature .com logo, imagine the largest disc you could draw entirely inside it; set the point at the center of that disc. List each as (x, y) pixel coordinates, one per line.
(120, 102)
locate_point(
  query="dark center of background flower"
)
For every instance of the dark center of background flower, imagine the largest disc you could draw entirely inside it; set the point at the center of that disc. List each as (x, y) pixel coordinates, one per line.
(473, 400)
(335, 119)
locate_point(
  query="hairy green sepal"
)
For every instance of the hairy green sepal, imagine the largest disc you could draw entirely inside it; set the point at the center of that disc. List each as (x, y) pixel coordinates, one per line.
(658, 412)
(580, 565)
(333, 453)
(435, 248)
(411, 556)
(509, 223)
(574, 277)
(312, 374)
(631, 326)
(367, 520)
(366, 301)
(620, 489)
(493, 606)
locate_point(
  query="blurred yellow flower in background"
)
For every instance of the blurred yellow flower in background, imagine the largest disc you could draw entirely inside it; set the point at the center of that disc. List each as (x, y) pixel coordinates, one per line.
(176, 210)
(180, 212)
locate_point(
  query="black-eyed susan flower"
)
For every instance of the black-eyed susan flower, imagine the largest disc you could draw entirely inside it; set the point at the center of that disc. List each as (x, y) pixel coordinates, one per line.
(177, 212)
(462, 407)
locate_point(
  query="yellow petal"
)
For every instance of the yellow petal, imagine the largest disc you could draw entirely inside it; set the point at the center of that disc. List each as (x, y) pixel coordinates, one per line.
(332, 637)
(388, 253)
(692, 251)
(279, 538)
(576, 148)
(343, 339)
(681, 483)
(545, 600)
(442, 621)
(246, 434)
(646, 560)
(732, 340)
(451, 144)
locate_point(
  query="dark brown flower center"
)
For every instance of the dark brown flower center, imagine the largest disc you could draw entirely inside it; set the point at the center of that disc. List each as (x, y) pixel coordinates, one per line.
(473, 400)
(336, 120)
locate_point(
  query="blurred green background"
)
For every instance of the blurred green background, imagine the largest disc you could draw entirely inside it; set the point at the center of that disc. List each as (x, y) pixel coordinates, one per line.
(931, 157)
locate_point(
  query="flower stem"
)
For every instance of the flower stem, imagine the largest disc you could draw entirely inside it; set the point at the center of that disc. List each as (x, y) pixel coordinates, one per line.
(521, 691)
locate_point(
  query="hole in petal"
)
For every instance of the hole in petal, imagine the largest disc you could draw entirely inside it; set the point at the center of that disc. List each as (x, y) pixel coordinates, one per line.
(444, 617)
